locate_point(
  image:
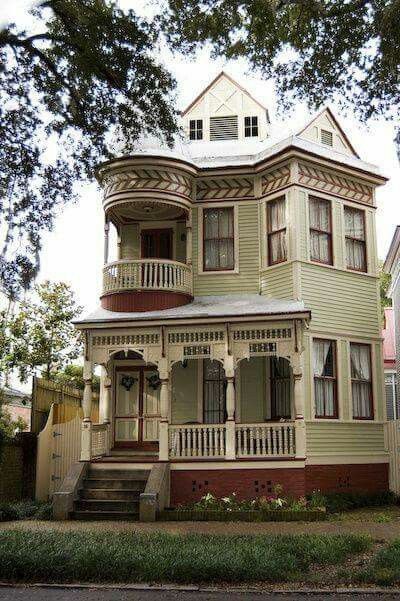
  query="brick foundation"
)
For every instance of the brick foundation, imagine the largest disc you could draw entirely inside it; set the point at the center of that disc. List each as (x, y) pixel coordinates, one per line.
(188, 486)
(373, 477)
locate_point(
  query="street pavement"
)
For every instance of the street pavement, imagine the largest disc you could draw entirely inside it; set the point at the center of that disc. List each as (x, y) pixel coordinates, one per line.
(87, 594)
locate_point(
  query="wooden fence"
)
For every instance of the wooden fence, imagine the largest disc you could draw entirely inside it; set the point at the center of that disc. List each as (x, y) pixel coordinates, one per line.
(59, 445)
(46, 393)
(392, 444)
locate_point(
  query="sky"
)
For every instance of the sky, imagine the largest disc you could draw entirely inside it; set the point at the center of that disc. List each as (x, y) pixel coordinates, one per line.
(73, 251)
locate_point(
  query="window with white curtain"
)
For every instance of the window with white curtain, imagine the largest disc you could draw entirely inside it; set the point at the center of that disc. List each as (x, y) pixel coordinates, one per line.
(218, 239)
(356, 255)
(325, 383)
(320, 230)
(361, 381)
(276, 231)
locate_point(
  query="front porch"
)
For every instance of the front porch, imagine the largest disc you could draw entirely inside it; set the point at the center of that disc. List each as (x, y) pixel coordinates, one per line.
(198, 393)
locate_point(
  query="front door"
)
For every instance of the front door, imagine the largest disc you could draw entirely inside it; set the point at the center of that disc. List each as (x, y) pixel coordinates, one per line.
(137, 408)
(157, 244)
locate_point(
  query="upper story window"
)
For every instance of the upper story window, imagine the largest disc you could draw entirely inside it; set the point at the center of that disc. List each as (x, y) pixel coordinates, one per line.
(356, 254)
(325, 384)
(250, 127)
(224, 128)
(320, 231)
(361, 381)
(276, 231)
(326, 137)
(196, 129)
(218, 239)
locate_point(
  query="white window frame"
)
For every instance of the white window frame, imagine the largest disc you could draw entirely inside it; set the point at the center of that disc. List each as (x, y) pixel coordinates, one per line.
(200, 258)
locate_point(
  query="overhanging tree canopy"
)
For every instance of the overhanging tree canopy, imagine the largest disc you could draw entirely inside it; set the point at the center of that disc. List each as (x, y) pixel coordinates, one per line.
(80, 68)
(315, 50)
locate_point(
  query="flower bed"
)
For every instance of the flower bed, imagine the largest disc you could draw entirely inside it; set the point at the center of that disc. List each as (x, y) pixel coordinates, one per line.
(274, 508)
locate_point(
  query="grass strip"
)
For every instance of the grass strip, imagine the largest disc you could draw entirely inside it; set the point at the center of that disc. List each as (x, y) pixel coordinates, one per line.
(52, 556)
(384, 568)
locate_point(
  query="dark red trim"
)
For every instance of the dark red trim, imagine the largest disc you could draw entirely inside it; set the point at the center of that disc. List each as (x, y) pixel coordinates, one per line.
(133, 301)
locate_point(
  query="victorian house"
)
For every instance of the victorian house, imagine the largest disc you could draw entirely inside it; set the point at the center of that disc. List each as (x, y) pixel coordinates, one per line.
(239, 331)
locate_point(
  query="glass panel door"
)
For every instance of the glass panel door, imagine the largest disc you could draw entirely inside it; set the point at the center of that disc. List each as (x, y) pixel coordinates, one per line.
(151, 405)
(127, 406)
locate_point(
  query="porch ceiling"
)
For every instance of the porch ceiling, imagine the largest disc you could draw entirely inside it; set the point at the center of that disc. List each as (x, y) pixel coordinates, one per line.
(208, 307)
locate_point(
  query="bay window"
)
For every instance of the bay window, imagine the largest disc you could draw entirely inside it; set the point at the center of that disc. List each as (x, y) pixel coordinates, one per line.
(325, 378)
(361, 381)
(356, 255)
(320, 230)
(276, 231)
(218, 239)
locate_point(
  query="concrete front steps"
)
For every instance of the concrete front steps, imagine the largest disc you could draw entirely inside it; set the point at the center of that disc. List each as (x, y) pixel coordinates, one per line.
(110, 493)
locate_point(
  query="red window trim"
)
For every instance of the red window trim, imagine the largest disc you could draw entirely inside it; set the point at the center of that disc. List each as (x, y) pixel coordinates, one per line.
(331, 379)
(205, 209)
(270, 234)
(326, 232)
(371, 415)
(364, 242)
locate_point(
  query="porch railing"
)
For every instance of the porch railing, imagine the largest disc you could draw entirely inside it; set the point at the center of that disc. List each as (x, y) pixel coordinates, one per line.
(100, 433)
(202, 441)
(265, 440)
(147, 274)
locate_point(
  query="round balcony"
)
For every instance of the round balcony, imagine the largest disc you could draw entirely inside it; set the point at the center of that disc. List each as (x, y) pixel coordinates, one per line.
(146, 285)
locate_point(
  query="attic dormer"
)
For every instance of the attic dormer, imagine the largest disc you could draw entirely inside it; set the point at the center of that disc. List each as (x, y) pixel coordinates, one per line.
(225, 111)
(324, 129)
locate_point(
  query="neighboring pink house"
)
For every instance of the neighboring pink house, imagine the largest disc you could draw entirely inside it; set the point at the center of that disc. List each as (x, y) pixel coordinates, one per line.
(389, 356)
(18, 404)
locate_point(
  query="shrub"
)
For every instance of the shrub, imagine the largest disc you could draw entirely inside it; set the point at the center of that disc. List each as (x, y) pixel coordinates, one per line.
(336, 503)
(25, 510)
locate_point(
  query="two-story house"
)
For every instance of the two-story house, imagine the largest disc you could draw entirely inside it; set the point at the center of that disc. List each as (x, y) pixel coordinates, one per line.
(239, 332)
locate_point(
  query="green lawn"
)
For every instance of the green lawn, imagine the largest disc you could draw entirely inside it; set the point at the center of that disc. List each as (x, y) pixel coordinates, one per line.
(27, 556)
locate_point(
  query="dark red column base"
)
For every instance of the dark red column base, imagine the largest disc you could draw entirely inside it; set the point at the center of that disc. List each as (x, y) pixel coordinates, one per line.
(144, 300)
(188, 486)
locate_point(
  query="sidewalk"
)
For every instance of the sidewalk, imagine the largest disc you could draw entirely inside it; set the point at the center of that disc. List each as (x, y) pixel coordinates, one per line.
(380, 532)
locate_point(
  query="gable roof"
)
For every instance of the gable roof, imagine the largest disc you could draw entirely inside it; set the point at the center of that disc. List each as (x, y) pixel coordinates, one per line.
(212, 83)
(337, 125)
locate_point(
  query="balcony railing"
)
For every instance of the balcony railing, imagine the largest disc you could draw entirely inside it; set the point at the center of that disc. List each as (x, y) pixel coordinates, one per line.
(201, 441)
(147, 274)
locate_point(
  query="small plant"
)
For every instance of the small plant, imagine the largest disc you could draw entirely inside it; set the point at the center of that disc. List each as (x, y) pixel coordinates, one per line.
(383, 518)
(25, 510)
(317, 499)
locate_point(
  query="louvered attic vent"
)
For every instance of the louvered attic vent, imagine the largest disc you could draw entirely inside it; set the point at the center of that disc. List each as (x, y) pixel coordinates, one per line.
(326, 137)
(223, 128)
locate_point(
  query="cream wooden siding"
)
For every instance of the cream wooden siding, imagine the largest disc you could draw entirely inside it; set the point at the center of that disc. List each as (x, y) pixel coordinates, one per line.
(253, 390)
(329, 438)
(130, 242)
(277, 282)
(340, 301)
(184, 393)
(247, 280)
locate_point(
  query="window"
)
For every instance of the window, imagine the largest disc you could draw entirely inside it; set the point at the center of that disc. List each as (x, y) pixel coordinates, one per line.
(218, 243)
(214, 392)
(356, 256)
(326, 137)
(250, 127)
(224, 128)
(320, 231)
(280, 388)
(196, 129)
(361, 381)
(276, 231)
(325, 387)
(392, 409)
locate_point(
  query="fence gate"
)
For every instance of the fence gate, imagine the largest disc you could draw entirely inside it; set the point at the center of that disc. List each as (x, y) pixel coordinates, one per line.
(392, 444)
(59, 446)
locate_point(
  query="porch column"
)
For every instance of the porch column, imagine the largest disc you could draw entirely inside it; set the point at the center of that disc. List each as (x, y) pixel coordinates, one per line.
(300, 426)
(230, 409)
(163, 452)
(119, 241)
(106, 240)
(189, 238)
(86, 440)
